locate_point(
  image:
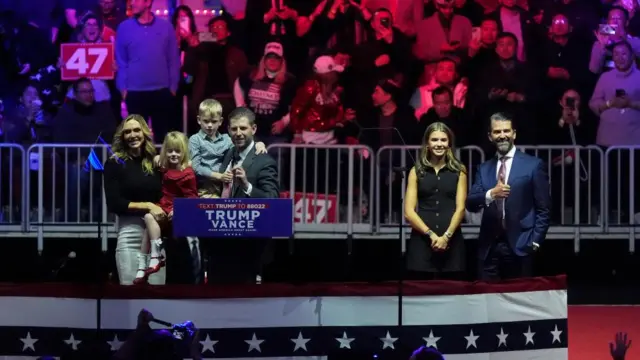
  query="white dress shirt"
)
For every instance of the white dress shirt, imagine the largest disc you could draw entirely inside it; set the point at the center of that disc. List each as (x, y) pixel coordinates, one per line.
(508, 161)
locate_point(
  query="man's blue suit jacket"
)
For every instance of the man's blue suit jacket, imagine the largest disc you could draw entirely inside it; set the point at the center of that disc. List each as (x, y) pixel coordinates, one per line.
(527, 209)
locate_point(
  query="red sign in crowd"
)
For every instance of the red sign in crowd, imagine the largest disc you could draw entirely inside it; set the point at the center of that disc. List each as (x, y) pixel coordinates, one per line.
(93, 61)
(318, 208)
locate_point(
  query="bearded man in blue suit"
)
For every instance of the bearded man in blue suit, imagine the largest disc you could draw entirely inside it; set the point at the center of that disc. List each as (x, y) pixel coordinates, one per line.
(513, 190)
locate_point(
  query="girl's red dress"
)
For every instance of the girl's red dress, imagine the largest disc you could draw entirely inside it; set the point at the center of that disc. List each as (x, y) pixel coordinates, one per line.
(177, 184)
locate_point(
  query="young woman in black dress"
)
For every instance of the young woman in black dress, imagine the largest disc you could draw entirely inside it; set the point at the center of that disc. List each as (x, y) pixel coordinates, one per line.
(434, 207)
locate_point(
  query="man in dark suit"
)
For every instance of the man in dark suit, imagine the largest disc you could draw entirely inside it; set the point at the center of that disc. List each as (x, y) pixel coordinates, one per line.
(254, 176)
(513, 190)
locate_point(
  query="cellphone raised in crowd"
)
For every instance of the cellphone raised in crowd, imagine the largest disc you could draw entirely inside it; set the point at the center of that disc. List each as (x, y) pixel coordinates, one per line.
(207, 37)
(607, 29)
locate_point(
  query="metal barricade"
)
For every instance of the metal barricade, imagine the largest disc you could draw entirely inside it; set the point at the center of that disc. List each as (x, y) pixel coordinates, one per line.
(12, 190)
(575, 182)
(389, 211)
(69, 194)
(621, 200)
(330, 184)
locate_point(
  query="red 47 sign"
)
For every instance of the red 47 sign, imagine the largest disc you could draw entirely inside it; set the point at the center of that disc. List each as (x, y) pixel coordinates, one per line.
(93, 61)
(313, 208)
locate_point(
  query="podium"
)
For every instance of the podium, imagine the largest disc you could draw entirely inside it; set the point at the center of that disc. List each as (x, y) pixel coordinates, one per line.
(246, 218)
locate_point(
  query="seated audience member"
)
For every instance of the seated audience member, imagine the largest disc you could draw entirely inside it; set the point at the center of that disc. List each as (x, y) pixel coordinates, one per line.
(602, 51)
(83, 121)
(207, 149)
(268, 91)
(445, 74)
(132, 188)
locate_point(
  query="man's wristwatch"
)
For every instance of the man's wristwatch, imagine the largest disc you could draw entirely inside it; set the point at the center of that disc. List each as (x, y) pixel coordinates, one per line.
(429, 232)
(448, 235)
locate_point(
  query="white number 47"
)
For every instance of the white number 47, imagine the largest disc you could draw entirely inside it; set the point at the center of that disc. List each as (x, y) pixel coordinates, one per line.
(78, 61)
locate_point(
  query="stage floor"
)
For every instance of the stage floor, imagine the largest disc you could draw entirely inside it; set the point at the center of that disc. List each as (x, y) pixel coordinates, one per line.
(592, 327)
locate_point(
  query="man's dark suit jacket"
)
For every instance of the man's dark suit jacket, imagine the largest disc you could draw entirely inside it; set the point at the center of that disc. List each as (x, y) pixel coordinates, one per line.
(262, 173)
(240, 260)
(527, 209)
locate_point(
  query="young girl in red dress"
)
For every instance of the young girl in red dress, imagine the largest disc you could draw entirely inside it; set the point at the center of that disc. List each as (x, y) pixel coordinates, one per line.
(178, 181)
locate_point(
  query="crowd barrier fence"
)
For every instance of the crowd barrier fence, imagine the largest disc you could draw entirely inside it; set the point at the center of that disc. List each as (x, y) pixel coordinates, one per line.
(337, 190)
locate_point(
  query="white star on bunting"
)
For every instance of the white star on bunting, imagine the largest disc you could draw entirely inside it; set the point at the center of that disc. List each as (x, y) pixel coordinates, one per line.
(208, 344)
(502, 338)
(387, 341)
(529, 335)
(73, 342)
(556, 335)
(254, 343)
(432, 341)
(301, 342)
(471, 340)
(345, 342)
(28, 342)
(115, 344)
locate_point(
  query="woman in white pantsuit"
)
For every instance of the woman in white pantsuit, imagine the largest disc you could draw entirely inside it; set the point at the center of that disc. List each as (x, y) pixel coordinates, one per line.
(132, 188)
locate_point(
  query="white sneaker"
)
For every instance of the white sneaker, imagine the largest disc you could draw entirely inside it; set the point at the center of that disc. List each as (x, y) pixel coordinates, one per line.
(258, 279)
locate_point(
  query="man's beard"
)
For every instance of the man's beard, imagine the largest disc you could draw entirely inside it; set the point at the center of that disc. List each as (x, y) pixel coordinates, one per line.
(503, 146)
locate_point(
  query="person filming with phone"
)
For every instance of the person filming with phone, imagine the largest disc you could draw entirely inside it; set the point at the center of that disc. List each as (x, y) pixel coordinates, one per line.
(609, 34)
(145, 343)
(616, 101)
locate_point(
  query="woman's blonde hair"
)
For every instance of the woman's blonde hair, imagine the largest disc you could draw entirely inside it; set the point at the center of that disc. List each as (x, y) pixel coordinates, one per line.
(121, 150)
(175, 140)
(451, 162)
(261, 72)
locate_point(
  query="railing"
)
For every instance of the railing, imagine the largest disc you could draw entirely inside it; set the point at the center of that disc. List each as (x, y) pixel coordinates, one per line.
(337, 190)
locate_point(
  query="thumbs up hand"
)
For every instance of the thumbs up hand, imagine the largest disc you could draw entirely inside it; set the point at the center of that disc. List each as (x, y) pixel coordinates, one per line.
(501, 191)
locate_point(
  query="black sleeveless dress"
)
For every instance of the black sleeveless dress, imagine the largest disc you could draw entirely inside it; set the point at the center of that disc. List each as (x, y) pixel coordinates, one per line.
(436, 205)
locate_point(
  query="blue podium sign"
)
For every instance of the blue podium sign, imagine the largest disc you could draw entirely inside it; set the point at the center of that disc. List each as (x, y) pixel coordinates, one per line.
(264, 218)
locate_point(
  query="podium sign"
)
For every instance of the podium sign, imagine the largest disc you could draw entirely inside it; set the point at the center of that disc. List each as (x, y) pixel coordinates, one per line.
(264, 218)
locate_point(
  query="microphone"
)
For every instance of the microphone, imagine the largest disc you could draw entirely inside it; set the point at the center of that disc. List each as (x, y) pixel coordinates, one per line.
(70, 256)
(395, 130)
(235, 158)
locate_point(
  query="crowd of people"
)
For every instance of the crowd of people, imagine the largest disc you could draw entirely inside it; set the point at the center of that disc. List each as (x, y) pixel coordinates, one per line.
(331, 68)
